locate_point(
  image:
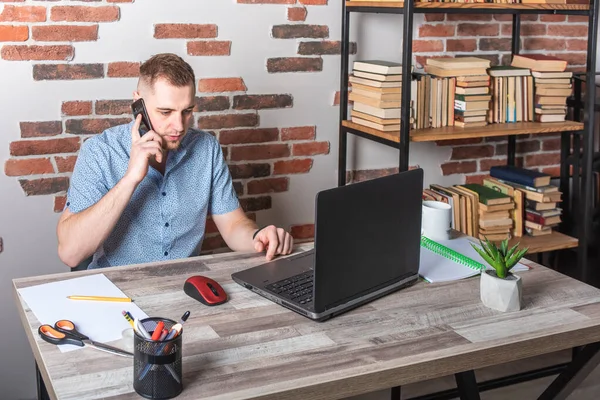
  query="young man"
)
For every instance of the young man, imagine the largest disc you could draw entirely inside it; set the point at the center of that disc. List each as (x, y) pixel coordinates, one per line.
(138, 198)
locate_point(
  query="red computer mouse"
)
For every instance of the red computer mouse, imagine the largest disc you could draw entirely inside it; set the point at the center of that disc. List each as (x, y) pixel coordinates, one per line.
(205, 290)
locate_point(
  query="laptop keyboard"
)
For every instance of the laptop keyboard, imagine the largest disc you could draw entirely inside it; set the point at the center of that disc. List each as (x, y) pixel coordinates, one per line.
(298, 288)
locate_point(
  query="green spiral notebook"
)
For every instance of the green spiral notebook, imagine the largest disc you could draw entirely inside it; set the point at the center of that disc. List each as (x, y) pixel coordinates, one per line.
(451, 260)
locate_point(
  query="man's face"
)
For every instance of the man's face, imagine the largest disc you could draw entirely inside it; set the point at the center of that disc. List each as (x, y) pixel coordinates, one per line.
(170, 109)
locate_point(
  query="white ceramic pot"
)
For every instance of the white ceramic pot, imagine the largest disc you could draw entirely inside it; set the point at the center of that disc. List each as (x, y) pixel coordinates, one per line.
(501, 294)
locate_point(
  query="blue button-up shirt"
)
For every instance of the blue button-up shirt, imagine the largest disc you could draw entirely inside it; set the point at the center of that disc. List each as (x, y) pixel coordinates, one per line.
(166, 216)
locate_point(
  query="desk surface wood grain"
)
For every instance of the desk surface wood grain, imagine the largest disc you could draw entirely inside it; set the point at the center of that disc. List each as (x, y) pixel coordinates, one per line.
(251, 348)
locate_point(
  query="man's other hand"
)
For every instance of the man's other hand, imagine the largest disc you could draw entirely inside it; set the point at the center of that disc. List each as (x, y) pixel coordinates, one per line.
(274, 240)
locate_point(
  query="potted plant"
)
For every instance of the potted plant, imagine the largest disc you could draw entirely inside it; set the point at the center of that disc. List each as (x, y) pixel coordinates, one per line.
(499, 288)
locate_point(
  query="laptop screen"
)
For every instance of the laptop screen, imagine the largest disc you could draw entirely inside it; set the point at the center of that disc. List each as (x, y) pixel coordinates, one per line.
(367, 236)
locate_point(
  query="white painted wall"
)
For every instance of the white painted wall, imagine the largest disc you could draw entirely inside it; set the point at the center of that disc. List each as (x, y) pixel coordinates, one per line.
(27, 224)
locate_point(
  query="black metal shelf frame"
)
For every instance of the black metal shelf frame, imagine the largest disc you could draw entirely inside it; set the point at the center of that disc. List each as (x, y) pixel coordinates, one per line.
(582, 204)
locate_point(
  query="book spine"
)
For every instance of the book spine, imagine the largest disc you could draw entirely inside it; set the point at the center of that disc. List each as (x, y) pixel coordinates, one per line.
(511, 176)
(538, 219)
(493, 186)
(519, 186)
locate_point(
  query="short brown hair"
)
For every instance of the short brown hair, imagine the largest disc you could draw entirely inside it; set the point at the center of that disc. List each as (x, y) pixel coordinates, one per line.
(170, 67)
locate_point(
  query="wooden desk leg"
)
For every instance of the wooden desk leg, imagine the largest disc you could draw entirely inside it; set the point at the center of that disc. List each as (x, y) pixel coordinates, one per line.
(584, 362)
(42, 393)
(396, 392)
(467, 385)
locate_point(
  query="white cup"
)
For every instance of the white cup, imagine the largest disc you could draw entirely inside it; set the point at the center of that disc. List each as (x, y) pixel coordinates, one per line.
(436, 220)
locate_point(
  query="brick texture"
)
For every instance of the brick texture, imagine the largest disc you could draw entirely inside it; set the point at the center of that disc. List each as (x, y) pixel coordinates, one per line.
(76, 108)
(14, 13)
(13, 33)
(257, 102)
(324, 47)
(296, 13)
(28, 53)
(185, 31)
(241, 136)
(84, 13)
(113, 107)
(28, 166)
(303, 233)
(300, 31)
(221, 85)
(294, 64)
(40, 129)
(123, 69)
(64, 33)
(92, 126)
(67, 71)
(212, 103)
(48, 146)
(209, 48)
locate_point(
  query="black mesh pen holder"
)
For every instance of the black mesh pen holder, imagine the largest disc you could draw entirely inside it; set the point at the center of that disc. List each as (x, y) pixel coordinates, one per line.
(157, 372)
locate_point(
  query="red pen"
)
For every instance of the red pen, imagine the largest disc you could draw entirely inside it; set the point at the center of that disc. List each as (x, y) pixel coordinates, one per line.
(158, 330)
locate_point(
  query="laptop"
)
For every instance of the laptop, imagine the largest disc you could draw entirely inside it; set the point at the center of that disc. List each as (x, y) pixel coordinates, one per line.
(366, 245)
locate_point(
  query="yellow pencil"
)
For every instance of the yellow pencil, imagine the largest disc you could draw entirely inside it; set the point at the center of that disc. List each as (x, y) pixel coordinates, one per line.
(101, 298)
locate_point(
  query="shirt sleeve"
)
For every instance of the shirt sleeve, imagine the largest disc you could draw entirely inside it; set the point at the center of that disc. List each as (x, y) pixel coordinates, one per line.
(223, 197)
(87, 185)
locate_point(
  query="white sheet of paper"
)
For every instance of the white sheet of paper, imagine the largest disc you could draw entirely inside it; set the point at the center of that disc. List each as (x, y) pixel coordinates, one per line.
(102, 321)
(436, 268)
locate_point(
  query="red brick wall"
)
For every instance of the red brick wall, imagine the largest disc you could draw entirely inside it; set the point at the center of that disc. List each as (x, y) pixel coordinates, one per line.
(43, 37)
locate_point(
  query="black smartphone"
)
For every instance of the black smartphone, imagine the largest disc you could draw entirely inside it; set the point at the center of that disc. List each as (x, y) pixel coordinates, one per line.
(139, 107)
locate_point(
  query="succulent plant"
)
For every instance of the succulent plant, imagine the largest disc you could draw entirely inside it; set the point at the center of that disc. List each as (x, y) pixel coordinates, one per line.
(501, 259)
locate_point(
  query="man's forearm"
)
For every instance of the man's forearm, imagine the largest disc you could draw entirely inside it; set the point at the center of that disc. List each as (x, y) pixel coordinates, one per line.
(81, 234)
(240, 237)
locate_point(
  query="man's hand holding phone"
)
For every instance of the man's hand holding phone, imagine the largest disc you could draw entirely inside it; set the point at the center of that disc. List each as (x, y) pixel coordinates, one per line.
(143, 148)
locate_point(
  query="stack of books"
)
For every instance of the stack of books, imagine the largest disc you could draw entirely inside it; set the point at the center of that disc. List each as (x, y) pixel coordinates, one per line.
(376, 93)
(423, 100)
(494, 214)
(465, 99)
(552, 85)
(512, 94)
(541, 213)
(477, 211)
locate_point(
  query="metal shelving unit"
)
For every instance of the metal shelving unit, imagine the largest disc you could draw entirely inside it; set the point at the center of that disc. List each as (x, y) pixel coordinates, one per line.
(579, 132)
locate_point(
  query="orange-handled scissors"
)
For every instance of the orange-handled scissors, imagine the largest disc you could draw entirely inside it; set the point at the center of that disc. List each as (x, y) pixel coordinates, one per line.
(64, 332)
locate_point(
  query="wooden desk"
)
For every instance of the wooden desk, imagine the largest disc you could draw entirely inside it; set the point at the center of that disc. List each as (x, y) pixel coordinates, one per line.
(250, 348)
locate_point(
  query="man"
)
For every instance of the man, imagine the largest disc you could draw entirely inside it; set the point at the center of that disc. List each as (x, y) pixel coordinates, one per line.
(139, 198)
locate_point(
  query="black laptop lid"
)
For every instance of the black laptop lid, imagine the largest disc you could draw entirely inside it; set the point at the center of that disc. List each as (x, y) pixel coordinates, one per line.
(367, 236)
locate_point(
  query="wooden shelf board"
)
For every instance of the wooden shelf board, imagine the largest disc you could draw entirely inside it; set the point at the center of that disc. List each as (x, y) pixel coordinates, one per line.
(455, 132)
(538, 244)
(381, 4)
(489, 6)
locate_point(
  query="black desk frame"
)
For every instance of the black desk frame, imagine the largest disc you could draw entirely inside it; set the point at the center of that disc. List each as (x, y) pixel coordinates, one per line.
(570, 376)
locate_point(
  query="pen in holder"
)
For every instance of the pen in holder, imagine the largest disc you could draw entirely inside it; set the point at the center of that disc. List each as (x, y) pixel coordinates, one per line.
(157, 369)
